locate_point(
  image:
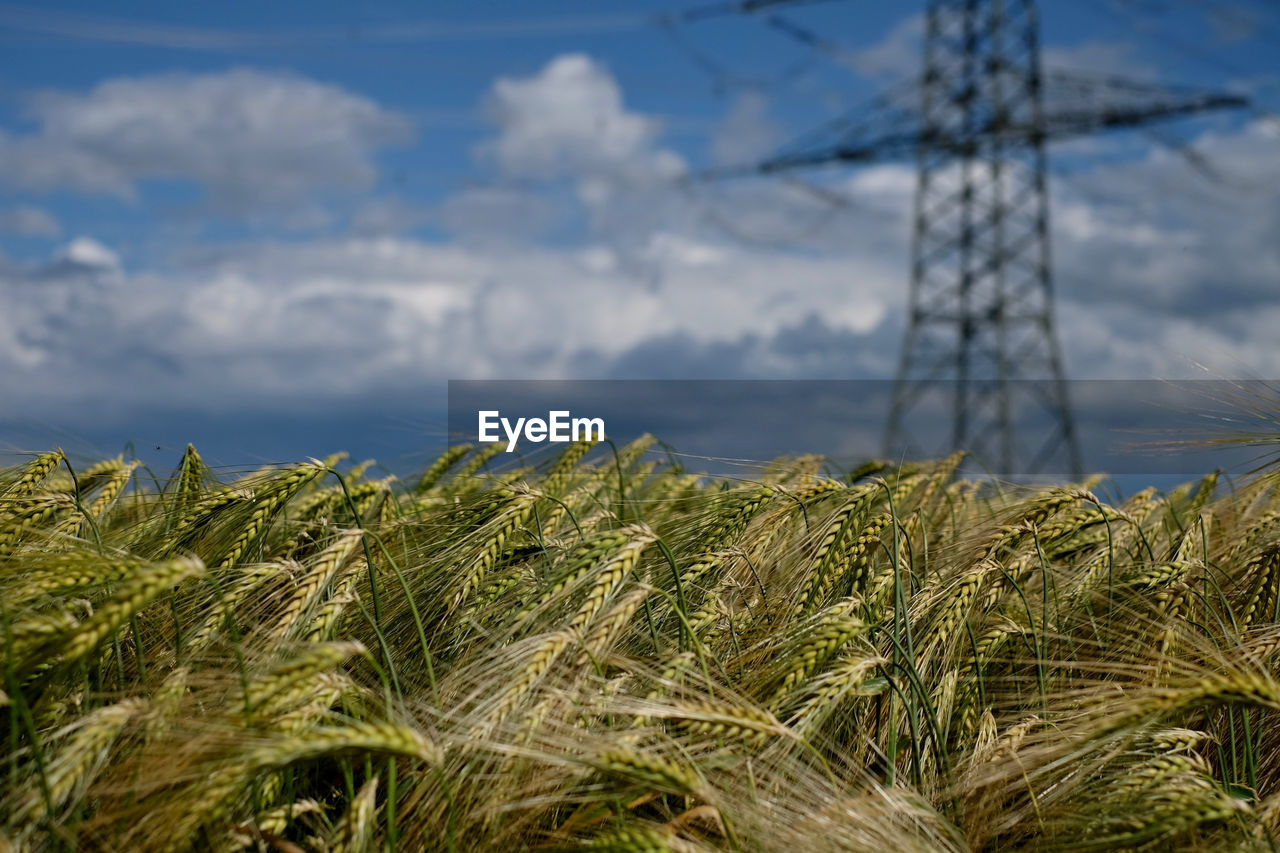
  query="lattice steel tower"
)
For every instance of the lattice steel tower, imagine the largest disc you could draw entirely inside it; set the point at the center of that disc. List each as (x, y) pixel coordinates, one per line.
(980, 312)
(980, 350)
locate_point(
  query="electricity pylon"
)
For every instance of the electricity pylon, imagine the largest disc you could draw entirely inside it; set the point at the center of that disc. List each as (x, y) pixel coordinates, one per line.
(980, 347)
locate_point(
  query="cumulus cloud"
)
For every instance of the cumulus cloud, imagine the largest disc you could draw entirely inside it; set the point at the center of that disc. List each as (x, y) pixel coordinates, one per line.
(746, 134)
(896, 55)
(497, 214)
(1095, 57)
(567, 131)
(900, 51)
(271, 323)
(88, 254)
(476, 215)
(569, 121)
(566, 147)
(58, 307)
(389, 215)
(753, 279)
(1155, 234)
(249, 139)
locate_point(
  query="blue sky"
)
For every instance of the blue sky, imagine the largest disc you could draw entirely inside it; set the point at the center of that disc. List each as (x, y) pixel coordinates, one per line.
(218, 217)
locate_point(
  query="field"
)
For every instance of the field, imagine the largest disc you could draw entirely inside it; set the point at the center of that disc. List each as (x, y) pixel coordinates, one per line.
(603, 651)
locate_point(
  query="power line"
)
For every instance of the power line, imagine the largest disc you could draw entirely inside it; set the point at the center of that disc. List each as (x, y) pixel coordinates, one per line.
(117, 30)
(1257, 27)
(743, 7)
(724, 78)
(980, 322)
(729, 222)
(814, 41)
(105, 29)
(109, 29)
(1186, 48)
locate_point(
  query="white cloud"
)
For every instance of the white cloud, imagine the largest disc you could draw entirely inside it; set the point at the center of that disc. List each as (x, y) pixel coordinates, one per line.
(746, 134)
(388, 215)
(569, 121)
(1153, 232)
(567, 133)
(898, 54)
(318, 321)
(272, 324)
(29, 221)
(250, 139)
(565, 138)
(1157, 267)
(89, 253)
(497, 214)
(1098, 58)
(758, 278)
(901, 50)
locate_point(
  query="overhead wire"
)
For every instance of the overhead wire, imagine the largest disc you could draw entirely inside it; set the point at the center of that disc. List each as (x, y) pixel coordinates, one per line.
(124, 30)
(1201, 163)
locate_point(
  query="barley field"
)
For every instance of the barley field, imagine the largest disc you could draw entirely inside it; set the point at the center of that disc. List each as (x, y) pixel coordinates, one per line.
(604, 651)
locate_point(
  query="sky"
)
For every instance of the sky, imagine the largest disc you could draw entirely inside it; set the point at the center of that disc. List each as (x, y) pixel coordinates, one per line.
(279, 229)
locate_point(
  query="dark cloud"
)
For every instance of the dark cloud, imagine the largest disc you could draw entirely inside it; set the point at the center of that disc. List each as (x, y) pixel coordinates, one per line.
(808, 349)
